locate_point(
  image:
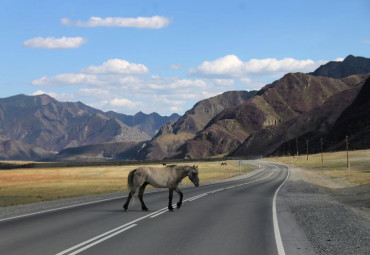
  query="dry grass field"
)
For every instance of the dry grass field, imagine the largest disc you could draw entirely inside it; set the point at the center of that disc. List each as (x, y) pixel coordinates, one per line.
(334, 166)
(20, 186)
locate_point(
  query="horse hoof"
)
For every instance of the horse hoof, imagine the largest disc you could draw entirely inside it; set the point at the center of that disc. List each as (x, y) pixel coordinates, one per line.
(170, 209)
(145, 209)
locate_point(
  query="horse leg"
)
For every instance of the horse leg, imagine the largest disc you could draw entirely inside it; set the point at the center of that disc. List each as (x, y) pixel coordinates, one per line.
(170, 200)
(132, 192)
(141, 194)
(181, 196)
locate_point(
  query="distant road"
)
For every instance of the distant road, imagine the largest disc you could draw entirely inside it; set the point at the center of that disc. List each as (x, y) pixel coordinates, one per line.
(234, 217)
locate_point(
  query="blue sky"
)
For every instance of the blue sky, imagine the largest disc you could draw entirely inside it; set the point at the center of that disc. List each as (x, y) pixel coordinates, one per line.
(165, 56)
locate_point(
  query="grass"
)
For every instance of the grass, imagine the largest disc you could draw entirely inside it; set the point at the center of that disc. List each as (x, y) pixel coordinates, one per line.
(334, 165)
(21, 186)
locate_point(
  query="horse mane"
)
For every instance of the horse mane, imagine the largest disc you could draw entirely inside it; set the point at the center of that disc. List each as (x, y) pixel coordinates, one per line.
(173, 165)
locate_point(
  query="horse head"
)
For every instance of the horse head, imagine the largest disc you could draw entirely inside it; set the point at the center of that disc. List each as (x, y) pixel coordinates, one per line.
(193, 175)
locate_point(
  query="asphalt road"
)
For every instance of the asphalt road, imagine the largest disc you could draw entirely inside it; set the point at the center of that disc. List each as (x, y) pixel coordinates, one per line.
(234, 217)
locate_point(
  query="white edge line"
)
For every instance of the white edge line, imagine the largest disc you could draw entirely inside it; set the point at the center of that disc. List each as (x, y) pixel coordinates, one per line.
(61, 208)
(110, 231)
(279, 243)
(101, 240)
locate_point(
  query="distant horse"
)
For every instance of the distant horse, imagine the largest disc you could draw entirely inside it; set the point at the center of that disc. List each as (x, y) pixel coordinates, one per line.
(160, 177)
(223, 164)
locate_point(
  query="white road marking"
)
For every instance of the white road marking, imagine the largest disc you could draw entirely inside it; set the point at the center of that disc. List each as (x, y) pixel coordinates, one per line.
(279, 243)
(196, 197)
(60, 208)
(155, 215)
(102, 239)
(110, 231)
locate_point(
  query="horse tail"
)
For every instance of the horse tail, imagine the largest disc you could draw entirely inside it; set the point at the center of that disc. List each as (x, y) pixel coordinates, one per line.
(130, 180)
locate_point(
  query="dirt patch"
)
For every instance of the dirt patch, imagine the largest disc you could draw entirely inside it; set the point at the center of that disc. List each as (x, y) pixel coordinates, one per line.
(339, 188)
(319, 178)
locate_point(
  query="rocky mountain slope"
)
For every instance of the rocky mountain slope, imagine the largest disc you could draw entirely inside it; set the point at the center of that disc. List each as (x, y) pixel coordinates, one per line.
(100, 152)
(293, 95)
(41, 123)
(173, 135)
(353, 121)
(340, 69)
(147, 123)
(16, 150)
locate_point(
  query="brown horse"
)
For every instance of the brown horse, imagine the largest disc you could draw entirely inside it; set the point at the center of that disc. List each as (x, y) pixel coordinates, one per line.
(160, 177)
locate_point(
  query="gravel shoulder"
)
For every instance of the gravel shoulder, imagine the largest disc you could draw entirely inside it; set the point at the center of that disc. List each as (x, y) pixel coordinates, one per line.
(334, 217)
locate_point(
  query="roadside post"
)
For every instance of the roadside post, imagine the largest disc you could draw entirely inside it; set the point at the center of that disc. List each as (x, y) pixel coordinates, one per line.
(240, 167)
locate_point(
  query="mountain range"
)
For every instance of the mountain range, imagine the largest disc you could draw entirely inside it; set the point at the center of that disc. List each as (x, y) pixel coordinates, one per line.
(41, 125)
(327, 104)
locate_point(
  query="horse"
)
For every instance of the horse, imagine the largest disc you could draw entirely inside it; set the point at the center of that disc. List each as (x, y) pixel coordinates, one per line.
(160, 177)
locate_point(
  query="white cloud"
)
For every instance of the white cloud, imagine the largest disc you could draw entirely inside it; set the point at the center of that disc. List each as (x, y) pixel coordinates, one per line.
(117, 66)
(59, 96)
(183, 83)
(338, 59)
(98, 93)
(224, 82)
(123, 102)
(66, 80)
(246, 80)
(155, 22)
(126, 87)
(176, 109)
(38, 92)
(229, 65)
(177, 66)
(232, 66)
(55, 43)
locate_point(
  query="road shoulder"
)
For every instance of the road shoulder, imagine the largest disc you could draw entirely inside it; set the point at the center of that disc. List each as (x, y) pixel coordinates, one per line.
(330, 226)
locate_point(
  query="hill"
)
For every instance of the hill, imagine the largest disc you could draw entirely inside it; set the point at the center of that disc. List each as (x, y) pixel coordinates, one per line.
(174, 134)
(41, 124)
(292, 96)
(352, 121)
(340, 69)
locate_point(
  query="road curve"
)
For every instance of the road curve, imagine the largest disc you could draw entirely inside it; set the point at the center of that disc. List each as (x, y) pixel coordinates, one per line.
(233, 217)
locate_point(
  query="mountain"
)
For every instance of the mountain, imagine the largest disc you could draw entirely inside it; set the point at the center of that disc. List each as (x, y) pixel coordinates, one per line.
(41, 122)
(148, 123)
(281, 139)
(100, 152)
(349, 66)
(354, 122)
(172, 135)
(291, 96)
(15, 150)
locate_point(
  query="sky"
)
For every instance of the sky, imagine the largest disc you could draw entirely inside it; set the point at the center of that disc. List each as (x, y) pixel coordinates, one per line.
(165, 56)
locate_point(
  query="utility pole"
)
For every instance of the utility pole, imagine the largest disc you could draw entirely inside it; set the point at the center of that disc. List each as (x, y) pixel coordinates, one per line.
(296, 144)
(347, 145)
(322, 156)
(307, 147)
